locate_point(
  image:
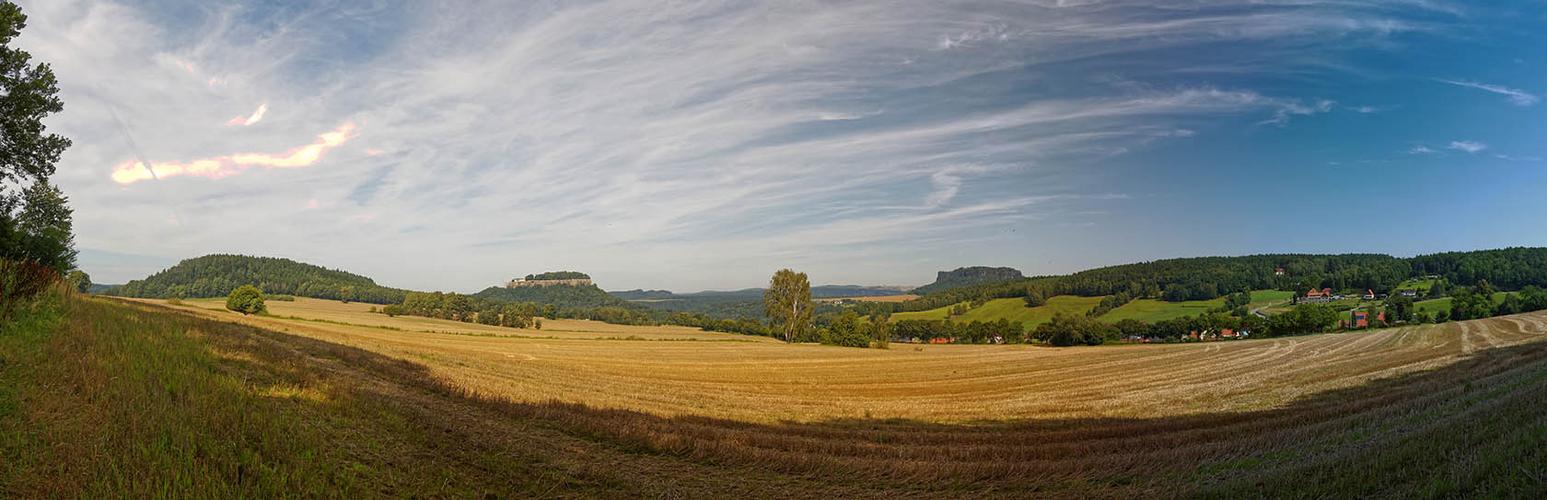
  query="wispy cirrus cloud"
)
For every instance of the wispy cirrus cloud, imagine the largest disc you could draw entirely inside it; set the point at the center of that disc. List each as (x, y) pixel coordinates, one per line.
(1515, 96)
(657, 144)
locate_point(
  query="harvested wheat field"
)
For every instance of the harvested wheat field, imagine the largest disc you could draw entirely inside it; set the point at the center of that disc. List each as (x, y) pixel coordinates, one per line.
(261, 406)
(680, 371)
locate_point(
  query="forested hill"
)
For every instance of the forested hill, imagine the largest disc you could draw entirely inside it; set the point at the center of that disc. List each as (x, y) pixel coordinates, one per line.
(968, 276)
(217, 275)
(1203, 278)
(588, 296)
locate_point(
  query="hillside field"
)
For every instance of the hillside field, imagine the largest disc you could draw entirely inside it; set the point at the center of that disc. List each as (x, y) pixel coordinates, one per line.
(1152, 310)
(1014, 310)
(1432, 306)
(210, 403)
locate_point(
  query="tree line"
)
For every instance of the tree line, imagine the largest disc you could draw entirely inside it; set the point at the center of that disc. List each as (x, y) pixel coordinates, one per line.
(1207, 278)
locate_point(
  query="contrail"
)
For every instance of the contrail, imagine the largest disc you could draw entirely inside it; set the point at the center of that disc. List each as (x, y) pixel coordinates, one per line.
(130, 139)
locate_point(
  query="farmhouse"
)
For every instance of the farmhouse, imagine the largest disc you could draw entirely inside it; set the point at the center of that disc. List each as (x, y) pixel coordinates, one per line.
(1278, 271)
(1313, 296)
(1369, 294)
(1361, 319)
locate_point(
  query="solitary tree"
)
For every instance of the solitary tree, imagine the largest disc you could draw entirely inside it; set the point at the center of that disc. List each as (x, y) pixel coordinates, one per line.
(246, 299)
(788, 303)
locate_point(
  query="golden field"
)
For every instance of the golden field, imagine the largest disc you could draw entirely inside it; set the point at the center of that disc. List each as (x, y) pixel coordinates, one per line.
(671, 370)
(115, 398)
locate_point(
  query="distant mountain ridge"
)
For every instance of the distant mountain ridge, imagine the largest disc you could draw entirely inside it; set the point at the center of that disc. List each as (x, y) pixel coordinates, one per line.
(217, 274)
(968, 276)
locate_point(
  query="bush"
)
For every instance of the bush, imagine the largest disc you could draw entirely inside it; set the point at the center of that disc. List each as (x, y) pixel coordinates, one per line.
(246, 299)
(21, 281)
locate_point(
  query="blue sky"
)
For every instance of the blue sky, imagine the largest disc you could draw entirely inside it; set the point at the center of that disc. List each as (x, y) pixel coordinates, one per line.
(703, 145)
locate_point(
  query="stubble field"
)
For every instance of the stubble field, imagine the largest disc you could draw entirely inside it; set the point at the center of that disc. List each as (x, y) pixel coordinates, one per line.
(110, 397)
(681, 371)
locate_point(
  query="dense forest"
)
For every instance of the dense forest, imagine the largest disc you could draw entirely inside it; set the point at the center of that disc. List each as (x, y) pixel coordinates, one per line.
(217, 275)
(1204, 278)
(1508, 268)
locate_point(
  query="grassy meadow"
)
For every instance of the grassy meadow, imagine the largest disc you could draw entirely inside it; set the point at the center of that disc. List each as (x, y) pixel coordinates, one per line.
(1152, 310)
(1432, 306)
(1014, 310)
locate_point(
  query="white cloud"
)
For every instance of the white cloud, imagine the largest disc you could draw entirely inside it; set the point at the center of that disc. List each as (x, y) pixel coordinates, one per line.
(1468, 146)
(1421, 150)
(1515, 96)
(252, 119)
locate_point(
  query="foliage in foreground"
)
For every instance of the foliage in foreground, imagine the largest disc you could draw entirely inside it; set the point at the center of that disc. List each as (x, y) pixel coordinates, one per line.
(35, 225)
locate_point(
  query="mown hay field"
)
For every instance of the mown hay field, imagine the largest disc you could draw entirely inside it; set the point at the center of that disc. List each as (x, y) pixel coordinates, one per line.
(673, 371)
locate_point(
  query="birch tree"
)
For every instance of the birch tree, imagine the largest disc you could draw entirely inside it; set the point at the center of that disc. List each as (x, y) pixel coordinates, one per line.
(788, 303)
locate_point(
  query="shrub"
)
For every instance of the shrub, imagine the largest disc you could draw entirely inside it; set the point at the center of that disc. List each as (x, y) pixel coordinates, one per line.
(246, 299)
(21, 281)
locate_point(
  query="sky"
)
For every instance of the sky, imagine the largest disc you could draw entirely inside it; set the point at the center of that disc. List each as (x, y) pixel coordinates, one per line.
(704, 145)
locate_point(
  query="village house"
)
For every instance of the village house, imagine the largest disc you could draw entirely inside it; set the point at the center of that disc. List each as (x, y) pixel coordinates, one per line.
(1315, 296)
(1369, 294)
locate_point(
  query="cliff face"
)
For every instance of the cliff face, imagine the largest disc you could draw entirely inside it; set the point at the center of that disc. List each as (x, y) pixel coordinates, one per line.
(964, 276)
(560, 282)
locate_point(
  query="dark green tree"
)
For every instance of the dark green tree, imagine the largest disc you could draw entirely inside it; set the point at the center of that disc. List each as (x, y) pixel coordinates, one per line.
(28, 95)
(1074, 329)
